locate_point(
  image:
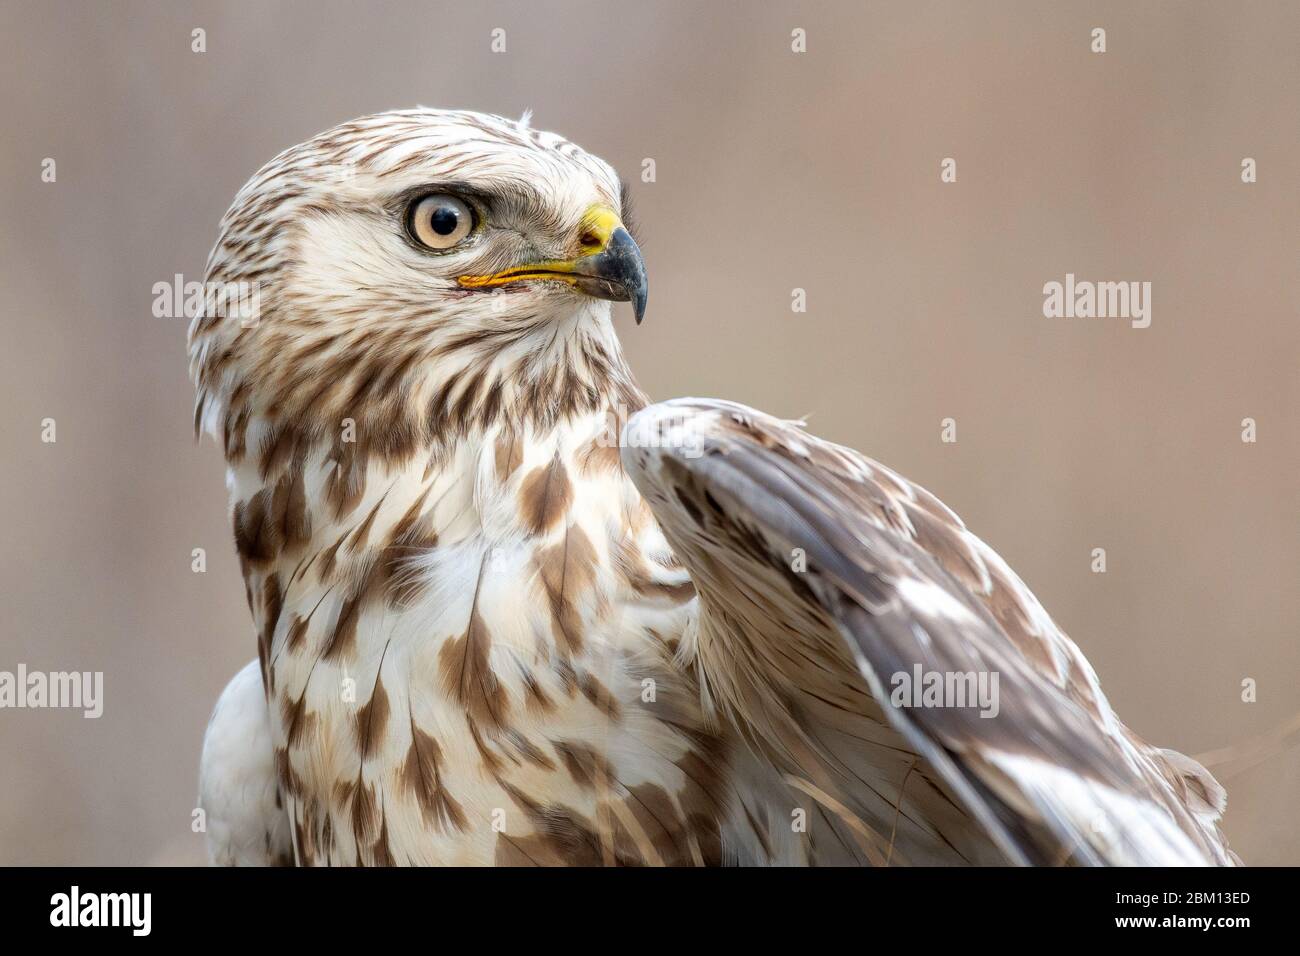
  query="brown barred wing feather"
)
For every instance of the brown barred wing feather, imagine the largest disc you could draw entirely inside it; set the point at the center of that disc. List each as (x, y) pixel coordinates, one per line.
(832, 591)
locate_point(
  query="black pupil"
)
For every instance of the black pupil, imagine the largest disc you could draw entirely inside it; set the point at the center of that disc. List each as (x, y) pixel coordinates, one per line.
(444, 220)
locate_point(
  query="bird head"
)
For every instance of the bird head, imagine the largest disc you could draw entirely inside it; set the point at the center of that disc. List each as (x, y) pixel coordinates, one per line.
(422, 270)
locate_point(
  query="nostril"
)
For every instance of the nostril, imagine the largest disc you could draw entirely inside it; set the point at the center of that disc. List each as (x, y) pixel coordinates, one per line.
(590, 239)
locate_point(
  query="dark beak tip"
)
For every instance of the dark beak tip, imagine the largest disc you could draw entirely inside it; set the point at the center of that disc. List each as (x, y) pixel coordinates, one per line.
(617, 273)
(635, 275)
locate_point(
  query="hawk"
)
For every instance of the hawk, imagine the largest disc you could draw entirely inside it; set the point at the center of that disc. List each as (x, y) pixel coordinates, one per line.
(508, 612)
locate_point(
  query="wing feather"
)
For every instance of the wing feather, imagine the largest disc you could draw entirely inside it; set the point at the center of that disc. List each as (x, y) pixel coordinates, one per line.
(246, 822)
(823, 576)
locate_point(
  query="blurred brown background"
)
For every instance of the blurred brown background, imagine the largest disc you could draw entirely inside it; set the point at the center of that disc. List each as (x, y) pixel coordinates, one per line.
(775, 171)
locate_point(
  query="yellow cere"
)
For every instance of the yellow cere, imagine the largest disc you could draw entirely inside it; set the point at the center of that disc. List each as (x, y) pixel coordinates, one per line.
(598, 225)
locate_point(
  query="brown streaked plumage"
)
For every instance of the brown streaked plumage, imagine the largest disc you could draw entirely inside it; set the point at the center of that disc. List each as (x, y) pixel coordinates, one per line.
(488, 635)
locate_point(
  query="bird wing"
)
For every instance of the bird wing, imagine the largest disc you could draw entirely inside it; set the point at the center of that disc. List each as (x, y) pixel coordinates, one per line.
(246, 822)
(823, 578)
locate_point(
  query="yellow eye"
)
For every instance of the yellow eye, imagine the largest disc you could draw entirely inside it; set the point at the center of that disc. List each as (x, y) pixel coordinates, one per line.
(441, 222)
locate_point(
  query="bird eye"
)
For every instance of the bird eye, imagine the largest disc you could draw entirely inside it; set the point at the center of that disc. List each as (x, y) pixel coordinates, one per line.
(441, 222)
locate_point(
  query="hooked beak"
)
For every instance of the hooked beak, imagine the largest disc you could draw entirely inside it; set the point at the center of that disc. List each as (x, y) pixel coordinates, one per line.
(611, 268)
